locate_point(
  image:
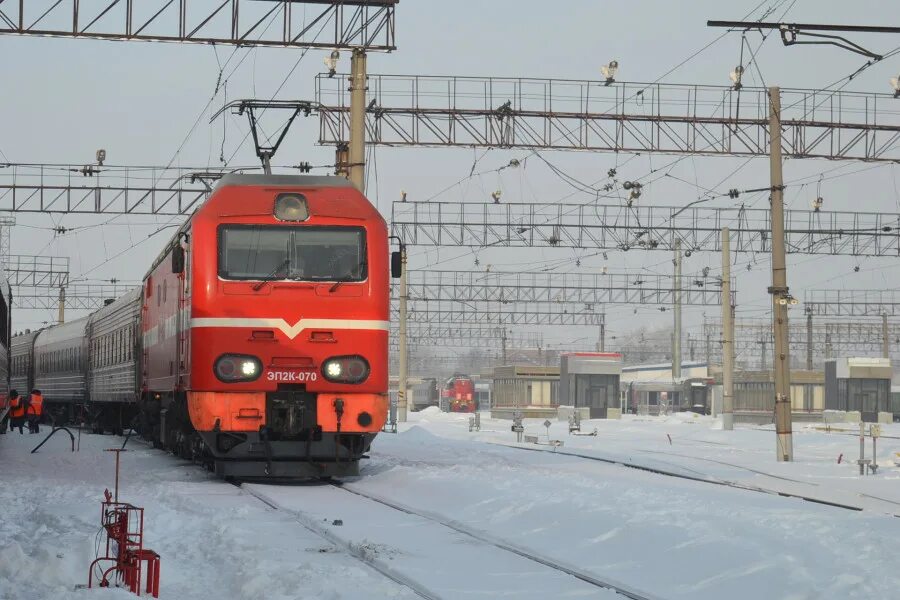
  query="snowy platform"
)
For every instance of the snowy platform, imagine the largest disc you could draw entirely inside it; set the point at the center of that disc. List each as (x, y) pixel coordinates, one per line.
(441, 512)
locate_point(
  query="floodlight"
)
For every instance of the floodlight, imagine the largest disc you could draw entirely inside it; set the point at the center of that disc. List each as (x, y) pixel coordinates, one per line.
(101, 156)
(609, 71)
(817, 204)
(895, 84)
(331, 62)
(736, 76)
(402, 195)
(496, 196)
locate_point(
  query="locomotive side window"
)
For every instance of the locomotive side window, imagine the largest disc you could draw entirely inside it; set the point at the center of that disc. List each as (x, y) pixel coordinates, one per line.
(300, 253)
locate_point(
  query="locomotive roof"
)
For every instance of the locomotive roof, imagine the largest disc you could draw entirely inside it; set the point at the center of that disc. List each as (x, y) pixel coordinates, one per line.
(285, 180)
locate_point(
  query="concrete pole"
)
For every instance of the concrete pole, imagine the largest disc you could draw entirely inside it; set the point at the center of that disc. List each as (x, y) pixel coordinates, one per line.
(727, 335)
(357, 154)
(402, 375)
(61, 317)
(676, 337)
(885, 342)
(781, 364)
(809, 341)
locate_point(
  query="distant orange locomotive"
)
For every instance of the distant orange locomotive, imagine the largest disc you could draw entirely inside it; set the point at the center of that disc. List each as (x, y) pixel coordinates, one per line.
(263, 333)
(458, 394)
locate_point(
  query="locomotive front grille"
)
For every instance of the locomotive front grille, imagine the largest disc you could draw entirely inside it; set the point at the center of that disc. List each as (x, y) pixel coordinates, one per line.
(291, 414)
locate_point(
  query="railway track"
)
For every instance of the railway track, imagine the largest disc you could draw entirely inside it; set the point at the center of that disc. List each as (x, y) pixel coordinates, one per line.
(519, 571)
(354, 551)
(703, 478)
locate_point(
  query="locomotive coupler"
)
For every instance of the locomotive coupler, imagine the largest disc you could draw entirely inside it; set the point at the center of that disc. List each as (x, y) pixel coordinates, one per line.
(339, 412)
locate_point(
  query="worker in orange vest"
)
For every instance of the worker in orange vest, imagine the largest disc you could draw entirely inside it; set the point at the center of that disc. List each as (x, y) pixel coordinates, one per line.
(35, 411)
(16, 411)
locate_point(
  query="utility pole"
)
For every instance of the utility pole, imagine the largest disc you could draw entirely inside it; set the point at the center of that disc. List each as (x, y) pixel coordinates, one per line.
(358, 86)
(779, 289)
(402, 375)
(727, 335)
(61, 317)
(601, 346)
(809, 340)
(676, 338)
(708, 353)
(503, 341)
(885, 345)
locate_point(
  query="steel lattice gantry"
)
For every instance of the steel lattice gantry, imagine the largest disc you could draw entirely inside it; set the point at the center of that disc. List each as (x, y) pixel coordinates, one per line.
(641, 227)
(77, 297)
(443, 313)
(512, 340)
(852, 303)
(37, 271)
(588, 289)
(493, 112)
(330, 24)
(132, 200)
(829, 338)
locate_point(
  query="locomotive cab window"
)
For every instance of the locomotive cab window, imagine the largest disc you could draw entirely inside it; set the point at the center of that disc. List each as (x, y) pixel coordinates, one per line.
(299, 253)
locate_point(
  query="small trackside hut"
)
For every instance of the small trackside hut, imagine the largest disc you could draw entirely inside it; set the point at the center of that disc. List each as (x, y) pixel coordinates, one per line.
(590, 380)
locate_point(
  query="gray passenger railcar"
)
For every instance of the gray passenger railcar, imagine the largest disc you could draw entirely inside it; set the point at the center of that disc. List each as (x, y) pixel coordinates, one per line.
(22, 370)
(60, 366)
(114, 351)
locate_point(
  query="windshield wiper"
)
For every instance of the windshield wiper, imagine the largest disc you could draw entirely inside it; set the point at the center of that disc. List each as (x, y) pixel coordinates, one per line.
(349, 274)
(271, 276)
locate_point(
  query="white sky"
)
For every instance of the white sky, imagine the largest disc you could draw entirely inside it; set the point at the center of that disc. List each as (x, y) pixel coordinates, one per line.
(64, 98)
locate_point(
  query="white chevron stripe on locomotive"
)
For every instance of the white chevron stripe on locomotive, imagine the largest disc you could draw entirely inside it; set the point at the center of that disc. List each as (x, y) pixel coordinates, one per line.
(291, 331)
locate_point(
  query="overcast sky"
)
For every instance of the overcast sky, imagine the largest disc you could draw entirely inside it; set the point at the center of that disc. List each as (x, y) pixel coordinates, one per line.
(65, 98)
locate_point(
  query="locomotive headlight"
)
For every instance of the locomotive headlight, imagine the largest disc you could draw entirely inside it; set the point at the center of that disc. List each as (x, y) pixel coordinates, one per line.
(234, 368)
(249, 368)
(345, 369)
(291, 207)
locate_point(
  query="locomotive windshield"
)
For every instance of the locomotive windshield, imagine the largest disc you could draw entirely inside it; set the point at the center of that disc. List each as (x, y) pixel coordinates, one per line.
(300, 253)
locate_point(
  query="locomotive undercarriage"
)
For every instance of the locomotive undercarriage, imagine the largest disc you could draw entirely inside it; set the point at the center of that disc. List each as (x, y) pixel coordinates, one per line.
(290, 446)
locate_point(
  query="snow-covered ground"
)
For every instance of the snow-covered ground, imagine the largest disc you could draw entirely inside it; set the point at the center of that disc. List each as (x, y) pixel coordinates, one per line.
(461, 495)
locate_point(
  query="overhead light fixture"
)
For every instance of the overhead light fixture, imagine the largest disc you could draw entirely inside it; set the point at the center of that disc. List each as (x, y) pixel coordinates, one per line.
(496, 196)
(101, 156)
(331, 62)
(402, 195)
(817, 204)
(895, 84)
(609, 71)
(736, 76)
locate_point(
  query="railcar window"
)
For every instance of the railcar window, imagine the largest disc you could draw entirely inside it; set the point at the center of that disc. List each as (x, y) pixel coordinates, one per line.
(300, 253)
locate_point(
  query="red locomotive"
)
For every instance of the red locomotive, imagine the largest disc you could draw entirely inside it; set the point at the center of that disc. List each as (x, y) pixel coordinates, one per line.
(458, 394)
(258, 342)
